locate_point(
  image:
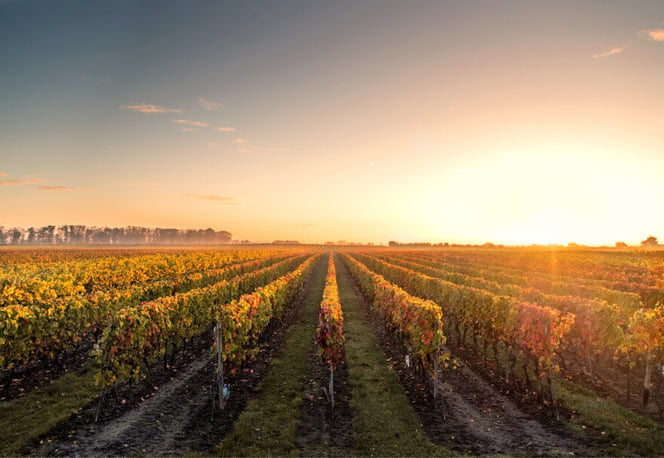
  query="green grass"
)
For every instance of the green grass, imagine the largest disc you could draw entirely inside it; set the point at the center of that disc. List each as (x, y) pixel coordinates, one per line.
(23, 420)
(627, 432)
(268, 425)
(383, 419)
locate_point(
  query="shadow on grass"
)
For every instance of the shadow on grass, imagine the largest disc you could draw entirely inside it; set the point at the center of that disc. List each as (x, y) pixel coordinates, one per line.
(384, 421)
(24, 420)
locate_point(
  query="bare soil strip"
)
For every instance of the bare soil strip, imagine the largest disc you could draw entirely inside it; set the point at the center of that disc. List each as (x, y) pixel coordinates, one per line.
(153, 427)
(480, 416)
(175, 418)
(472, 416)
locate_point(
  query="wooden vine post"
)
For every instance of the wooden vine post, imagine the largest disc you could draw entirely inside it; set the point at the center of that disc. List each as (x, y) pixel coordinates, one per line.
(435, 373)
(547, 363)
(436, 358)
(647, 379)
(331, 385)
(106, 356)
(220, 365)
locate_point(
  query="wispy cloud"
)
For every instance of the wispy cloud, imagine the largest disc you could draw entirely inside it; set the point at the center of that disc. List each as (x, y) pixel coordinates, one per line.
(190, 123)
(653, 34)
(222, 199)
(61, 188)
(146, 108)
(611, 52)
(20, 182)
(3, 175)
(242, 145)
(225, 129)
(208, 105)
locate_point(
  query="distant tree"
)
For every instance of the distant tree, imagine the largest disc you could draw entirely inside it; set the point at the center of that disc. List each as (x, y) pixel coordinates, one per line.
(100, 236)
(650, 241)
(46, 235)
(76, 234)
(31, 235)
(131, 235)
(116, 235)
(16, 236)
(225, 237)
(621, 245)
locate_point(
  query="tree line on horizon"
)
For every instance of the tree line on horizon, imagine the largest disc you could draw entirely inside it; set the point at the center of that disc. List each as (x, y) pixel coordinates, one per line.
(130, 235)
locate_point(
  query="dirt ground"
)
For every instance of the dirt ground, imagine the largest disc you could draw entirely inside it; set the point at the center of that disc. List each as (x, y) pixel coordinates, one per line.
(171, 412)
(472, 416)
(323, 431)
(20, 382)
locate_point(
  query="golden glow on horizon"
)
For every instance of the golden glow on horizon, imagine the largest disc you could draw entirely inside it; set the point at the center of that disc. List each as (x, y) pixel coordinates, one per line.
(543, 194)
(536, 193)
(546, 127)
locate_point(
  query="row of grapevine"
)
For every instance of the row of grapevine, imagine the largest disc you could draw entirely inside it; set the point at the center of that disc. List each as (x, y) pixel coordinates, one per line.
(35, 284)
(36, 333)
(13, 255)
(244, 319)
(598, 326)
(611, 271)
(533, 332)
(645, 342)
(579, 264)
(418, 321)
(635, 340)
(329, 334)
(142, 333)
(499, 278)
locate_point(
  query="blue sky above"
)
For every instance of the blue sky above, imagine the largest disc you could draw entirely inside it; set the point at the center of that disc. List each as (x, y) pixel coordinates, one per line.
(362, 120)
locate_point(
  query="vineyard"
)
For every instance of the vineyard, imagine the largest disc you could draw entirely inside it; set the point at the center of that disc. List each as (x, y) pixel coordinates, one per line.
(354, 351)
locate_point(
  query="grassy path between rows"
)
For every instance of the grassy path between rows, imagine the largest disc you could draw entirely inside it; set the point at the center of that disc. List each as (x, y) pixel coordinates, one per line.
(383, 419)
(384, 423)
(268, 425)
(625, 432)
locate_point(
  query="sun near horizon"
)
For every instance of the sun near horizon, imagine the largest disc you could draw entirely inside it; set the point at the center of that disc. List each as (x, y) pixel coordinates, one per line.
(512, 122)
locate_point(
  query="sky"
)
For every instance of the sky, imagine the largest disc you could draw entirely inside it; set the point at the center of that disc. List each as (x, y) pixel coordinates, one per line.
(474, 121)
